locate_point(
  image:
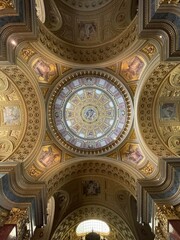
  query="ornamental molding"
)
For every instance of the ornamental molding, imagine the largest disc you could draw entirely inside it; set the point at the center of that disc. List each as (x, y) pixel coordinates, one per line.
(146, 108)
(34, 125)
(13, 192)
(162, 190)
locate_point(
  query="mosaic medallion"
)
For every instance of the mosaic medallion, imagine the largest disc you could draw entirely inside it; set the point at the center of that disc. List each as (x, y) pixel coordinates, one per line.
(90, 113)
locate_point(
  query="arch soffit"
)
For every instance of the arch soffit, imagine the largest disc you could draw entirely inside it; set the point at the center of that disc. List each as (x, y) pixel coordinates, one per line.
(104, 167)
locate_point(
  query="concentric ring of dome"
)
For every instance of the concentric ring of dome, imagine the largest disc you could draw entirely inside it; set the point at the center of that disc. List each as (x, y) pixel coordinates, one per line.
(90, 114)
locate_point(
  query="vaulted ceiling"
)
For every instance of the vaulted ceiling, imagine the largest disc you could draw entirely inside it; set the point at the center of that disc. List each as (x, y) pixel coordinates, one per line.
(87, 99)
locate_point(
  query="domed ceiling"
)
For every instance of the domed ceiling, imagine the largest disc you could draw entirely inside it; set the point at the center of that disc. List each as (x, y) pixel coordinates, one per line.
(90, 113)
(91, 22)
(89, 132)
(88, 31)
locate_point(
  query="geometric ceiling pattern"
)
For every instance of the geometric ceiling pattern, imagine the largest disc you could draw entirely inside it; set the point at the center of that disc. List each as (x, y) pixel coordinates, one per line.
(89, 109)
(90, 113)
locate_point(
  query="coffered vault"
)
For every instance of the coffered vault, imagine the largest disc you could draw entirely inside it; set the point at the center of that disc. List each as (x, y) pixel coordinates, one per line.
(89, 118)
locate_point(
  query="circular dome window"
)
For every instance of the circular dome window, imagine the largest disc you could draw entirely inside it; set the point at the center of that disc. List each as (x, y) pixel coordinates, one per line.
(91, 113)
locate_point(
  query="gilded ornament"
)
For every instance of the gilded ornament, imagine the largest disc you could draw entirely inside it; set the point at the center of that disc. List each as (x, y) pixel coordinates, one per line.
(163, 215)
(20, 217)
(3, 82)
(149, 50)
(175, 80)
(147, 113)
(148, 169)
(5, 4)
(34, 172)
(26, 53)
(28, 105)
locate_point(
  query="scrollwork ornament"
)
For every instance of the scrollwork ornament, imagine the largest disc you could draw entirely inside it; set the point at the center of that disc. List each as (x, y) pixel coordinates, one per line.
(174, 143)
(163, 215)
(148, 169)
(175, 80)
(5, 4)
(3, 82)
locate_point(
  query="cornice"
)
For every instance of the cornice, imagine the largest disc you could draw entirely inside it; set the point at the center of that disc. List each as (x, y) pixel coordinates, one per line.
(161, 23)
(14, 192)
(17, 25)
(162, 190)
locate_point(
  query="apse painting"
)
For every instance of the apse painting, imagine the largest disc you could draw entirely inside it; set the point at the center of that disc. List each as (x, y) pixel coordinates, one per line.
(45, 71)
(132, 68)
(168, 111)
(91, 188)
(49, 155)
(132, 153)
(11, 115)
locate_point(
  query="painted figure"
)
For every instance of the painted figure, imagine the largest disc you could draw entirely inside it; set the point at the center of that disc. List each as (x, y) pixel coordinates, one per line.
(91, 188)
(47, 157)
(87, 31)
(44, 70)
(132, 68)
(11, 115)
(134, 154)
(168, 111)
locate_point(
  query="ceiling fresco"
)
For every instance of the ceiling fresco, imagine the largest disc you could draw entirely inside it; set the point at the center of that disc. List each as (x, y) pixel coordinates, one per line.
(90, 113)
(87, 108)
